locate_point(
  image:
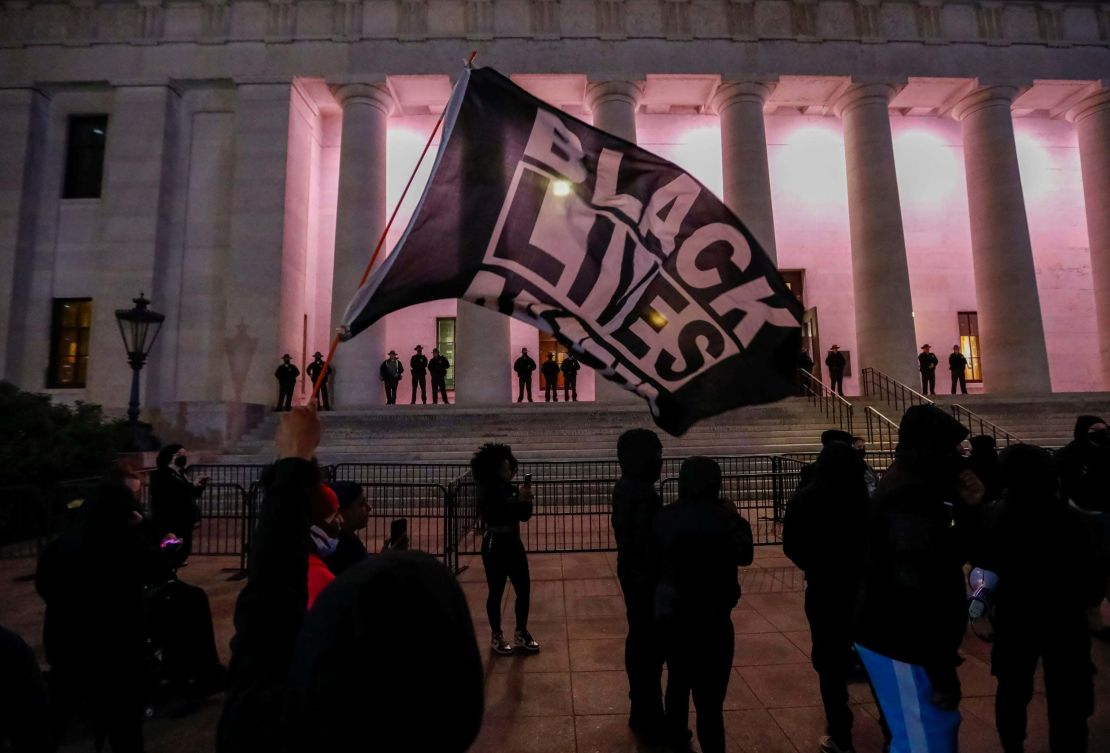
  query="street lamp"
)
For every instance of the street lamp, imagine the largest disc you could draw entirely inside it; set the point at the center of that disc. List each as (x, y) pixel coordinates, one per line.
(139, 327)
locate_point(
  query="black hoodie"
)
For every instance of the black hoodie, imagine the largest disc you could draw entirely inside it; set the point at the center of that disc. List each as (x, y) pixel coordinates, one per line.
(1085, 469)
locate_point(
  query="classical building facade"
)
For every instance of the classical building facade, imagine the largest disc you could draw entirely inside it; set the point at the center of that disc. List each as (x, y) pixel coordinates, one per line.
(923, 171)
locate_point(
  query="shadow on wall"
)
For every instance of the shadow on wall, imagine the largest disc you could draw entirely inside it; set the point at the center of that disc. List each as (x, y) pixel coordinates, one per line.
(239, 349)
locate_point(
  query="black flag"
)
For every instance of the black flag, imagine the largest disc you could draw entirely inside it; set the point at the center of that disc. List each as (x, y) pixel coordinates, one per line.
(628, 260)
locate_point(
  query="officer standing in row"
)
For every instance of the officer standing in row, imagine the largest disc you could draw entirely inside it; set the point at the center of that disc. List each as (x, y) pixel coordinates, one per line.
(927, 362)
(438, 367)
(836, 362)
(957, 364)
(286, 376)
(524, 366)
(391, 372)
(313, 370)
(418, 365)
(570, 369)
(550, 372)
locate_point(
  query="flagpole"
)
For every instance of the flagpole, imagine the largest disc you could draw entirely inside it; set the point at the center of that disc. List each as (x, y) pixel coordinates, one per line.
(381, 241)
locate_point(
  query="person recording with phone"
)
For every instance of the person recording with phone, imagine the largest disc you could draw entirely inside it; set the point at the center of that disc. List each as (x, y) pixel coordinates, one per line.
(503, 507)
(173, 499)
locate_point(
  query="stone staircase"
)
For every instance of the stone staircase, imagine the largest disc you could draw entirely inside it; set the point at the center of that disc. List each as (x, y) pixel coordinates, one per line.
(1047, 420)
(537, 431)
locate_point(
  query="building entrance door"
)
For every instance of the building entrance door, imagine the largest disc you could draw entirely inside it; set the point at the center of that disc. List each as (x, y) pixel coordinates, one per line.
(811, 340)
(548, 343)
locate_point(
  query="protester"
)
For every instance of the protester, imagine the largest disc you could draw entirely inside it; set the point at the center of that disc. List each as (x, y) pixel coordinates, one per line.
(24, 705)
(1040, 602)
(390, 372)
(354, 513)
(635, 506)
(173, 499)
(570, 368)
(823, 534)
(927, 364)
(323, 401)
(1084, 466)
(702, 541)
(337, 679)
(984, 464)
(524, 366)
(550, 373)
(324, 533)
(438, 367)
(286, 375)
(912, 612)
(418, 371)
(398, 538)
(836, 362)
(870, 478)
(828, 437)
(503, 507)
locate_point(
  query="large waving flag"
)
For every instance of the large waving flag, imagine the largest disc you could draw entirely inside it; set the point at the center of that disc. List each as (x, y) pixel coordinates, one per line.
(628, 260)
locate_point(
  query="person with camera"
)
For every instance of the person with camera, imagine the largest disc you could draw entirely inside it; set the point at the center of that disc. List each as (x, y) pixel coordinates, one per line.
(173, 499)
(1035, 613)
(503, 507)
(912, 611)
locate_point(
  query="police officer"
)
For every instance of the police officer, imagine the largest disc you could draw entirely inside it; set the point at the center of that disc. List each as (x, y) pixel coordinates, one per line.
(927, 362)
(286, 376)
(524, 366)
(391, 372)
(957, 364)
(418, 365)
(438, 367)
(313, 370)
(836, 362)
(570, 369)
(550, 373)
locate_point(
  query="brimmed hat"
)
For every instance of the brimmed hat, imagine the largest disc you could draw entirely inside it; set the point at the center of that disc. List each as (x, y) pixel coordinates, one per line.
(419, 347)
(392, 353)
(286, 356)
(317, 354)
(926, 345)
(834, 347)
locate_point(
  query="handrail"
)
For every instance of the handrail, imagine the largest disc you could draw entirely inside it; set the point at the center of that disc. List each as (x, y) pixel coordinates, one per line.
(974, 421)
(822, 397)
(880, 430)
(888, 389)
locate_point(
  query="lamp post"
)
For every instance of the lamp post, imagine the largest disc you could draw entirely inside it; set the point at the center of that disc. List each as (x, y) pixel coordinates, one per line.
(139, 327)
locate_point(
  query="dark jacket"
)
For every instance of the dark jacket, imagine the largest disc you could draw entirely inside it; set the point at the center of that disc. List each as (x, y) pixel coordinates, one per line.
(524, 366)
(550, 371)
(438, 366)
(1085, 469)
(501, 508)
(927, 362)
(387, 375)
(823, 531)
(636, 504)
(418, 363)
(701, 543)
(913, 604)
(956, 363)
(570, 366)
(287, 374)
(836, 361)
(173, 502)
(348, 552)
(314, 370)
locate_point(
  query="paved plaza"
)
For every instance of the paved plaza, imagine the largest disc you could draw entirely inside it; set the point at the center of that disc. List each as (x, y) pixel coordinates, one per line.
(572, 697)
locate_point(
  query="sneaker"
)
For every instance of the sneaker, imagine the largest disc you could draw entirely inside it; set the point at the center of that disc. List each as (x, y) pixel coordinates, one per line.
(524, 641)
(500, 646)
(828, 745)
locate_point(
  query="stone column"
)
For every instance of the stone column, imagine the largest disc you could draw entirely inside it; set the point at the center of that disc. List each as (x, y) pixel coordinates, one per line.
(747, 182)
(483, 363)
(360, 219)
(613, 104)
(880, 274)
(1092, 124)
(1010, 329)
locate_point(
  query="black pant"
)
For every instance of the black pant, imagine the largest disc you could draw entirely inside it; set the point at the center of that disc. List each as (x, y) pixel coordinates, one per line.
(390, 391)
(958, 376)
(285, 396)
(643, 654)
(503, 557)
(829, 612)
(418, 378)
(322, 401)
(699, 661)
(525, 385)
(928, 382)
(550, 390)
(439, 387)
(837, 379)
(179, 619)
(1068, 689)
(570, 387)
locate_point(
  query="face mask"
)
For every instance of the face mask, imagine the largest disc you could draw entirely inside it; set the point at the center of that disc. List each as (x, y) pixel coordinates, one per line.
(324, 544)
(181, 461)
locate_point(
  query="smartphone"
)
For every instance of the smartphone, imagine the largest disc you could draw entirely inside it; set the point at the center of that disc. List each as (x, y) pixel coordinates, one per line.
(527, 479)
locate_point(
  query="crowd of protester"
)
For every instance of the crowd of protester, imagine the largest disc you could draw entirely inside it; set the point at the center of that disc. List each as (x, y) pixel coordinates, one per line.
(321, 661)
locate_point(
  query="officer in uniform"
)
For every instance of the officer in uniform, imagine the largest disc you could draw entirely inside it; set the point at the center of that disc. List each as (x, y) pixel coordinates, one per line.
(286, 376)
(438, 367)
(957, 364)
(391, 372)
(524, 366)
(313, 371)
(570, 369)
(927, 362)
(418, 365)
(836, 362)
(550, 371)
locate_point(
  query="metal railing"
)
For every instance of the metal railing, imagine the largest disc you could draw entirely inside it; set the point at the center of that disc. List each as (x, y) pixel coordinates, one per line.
(888, 389)
(976, 424)
(832, 405)
(881, 431)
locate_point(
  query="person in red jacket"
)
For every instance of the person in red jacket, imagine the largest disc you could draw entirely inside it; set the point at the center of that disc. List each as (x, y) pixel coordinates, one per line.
(325, 539)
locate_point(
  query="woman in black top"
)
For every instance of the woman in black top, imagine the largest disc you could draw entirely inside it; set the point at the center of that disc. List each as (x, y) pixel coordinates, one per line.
(173, 498)
(503, 507)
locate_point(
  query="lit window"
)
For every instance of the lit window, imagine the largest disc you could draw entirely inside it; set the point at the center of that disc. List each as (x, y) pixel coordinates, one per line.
(445, 342)
(69, 342)
(85, 156)
(969, 344)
